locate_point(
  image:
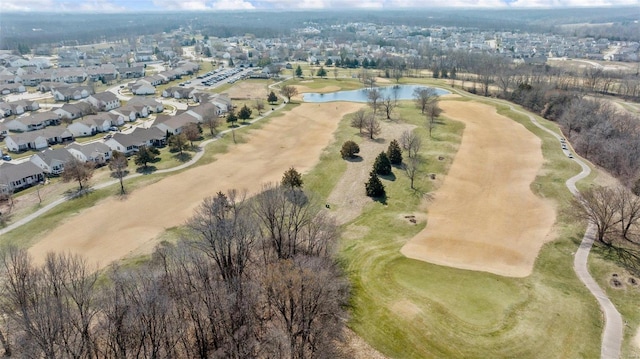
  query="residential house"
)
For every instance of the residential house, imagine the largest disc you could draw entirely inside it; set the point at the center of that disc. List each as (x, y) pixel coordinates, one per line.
(155, 80)
(129, 143)
(203, 111)
(15, 177)
(46, 86)
(12, 88)
(4, 131)
(131, 72)
(68, 93)
(104, 101)
(32, 122)
(18, 107)
(178, 92)
(18, 142)
(5, 109)
(153, 106)
(142, 87)
(104, 73)
(69, 75)
(34, 79)
(52, 161)
(27, 105)
(175, 124)
(73, 111)
(117, 119)
(223, 102)
(96, 152)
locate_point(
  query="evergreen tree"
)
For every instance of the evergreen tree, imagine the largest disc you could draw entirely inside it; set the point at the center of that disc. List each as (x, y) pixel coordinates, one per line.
(382, 165)
(232, 118)
(245, 113)
(329, 62)
(321, 72)
(145, 155)
(273, 98)
(374, 186)
(292, 179)
(298, 71)
(394, 153)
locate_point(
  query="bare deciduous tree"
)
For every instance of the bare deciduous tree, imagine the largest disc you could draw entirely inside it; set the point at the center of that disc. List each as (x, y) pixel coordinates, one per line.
(225, 233)
(374, 97)
(305, 298)
(118, 166)
(388, 104)
(411, 169)
(289, 91)
(359, 119)
(597, 206)
(423, 96)
(410, 142)
(372, 127)
(212, 122)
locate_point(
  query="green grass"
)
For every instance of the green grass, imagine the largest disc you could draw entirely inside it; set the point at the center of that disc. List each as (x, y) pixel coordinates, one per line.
(411, 309)
(602, 264)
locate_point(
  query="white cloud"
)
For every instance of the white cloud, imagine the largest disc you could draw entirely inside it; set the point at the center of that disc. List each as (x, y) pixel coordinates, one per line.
(571, 3)
(179, 5)
(27, 5)
(169, 5)
(100, 6)
(232, 5)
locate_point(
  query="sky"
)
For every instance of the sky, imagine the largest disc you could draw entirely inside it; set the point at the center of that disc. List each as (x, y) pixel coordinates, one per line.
(199, 5)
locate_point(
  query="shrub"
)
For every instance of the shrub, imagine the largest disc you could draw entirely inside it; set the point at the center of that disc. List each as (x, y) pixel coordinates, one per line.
(349, 149)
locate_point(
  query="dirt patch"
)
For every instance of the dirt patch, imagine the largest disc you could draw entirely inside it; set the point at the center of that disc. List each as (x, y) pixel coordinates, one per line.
(485, 216)
(356, 348)
(406, 308)
(348, 197)
(326, 89)
(636, 339)
(249, 90)
(115, 228)
(413, 218)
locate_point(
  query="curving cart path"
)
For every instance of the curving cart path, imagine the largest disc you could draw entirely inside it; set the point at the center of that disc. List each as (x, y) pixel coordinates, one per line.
(612, 333)
(613, 328)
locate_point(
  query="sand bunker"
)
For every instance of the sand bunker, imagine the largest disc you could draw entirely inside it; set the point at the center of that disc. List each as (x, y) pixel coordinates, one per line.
(485, 216)
(115, 228)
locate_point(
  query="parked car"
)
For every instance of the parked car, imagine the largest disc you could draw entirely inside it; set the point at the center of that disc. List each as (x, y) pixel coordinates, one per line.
(113, 128)
(6, 158)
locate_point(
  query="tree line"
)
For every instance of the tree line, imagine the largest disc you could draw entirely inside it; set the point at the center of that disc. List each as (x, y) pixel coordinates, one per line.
(249, 278)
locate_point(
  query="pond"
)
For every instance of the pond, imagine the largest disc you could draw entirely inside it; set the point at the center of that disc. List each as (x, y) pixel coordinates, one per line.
(400, 92)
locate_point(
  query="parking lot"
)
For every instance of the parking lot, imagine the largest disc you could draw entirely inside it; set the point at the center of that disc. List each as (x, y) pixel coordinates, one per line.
(218, 77)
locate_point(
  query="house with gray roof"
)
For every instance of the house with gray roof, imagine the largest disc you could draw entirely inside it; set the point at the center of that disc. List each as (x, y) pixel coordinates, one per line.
(15, 177)
(34, 121)
(96, 152)
(129, 143)
(52, 161)
(104, 101)
(151, 104)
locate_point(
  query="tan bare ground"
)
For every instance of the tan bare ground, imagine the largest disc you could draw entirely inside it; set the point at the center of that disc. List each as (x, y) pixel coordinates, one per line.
(484, 216)
(326, 89)
(249, 90)
(348, 207)
(115, 228)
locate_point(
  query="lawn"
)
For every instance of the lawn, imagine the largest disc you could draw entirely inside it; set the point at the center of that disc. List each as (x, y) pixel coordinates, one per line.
(411, 309)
